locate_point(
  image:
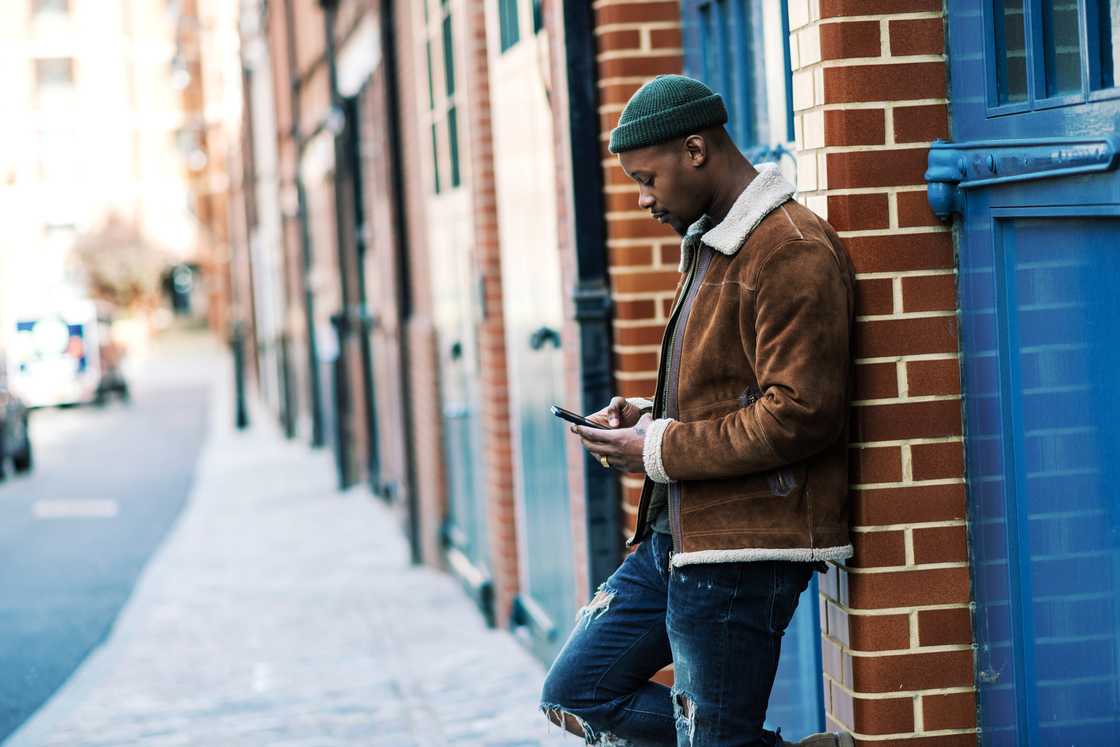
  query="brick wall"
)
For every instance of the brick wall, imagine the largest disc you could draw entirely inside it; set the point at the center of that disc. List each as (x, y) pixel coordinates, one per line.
(636, 41)
(869, 95)
(494, 406)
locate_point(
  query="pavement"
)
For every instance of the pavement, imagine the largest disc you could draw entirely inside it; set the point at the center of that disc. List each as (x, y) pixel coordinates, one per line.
(282, 613)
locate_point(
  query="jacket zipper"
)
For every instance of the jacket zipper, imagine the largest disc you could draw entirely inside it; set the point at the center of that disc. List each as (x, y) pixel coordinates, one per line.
(643, 503)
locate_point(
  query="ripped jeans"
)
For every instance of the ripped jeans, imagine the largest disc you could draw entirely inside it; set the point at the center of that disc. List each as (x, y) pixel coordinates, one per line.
(721, 624)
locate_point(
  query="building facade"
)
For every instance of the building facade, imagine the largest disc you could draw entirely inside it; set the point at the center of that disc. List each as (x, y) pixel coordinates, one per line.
(450, 249)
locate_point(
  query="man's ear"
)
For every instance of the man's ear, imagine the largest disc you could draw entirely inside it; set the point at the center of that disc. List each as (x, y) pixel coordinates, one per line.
(696, 150)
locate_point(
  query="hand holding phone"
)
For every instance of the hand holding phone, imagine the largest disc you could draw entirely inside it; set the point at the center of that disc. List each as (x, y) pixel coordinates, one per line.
(572, 417)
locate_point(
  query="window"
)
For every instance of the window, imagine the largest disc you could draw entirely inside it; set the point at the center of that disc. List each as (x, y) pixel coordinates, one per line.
(49, 7)
(538, 16)
(741, 49)
(1050, 53)
(54, 82)
(439, 41)
(509, 23)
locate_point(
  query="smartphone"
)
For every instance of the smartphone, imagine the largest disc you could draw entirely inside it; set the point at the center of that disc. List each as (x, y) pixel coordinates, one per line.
(572, 417)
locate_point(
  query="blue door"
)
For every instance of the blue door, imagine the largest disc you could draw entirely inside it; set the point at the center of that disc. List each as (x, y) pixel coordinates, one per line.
(741, 49)
(1031, 177)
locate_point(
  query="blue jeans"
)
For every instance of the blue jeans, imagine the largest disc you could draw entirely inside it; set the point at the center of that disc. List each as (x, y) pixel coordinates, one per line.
(721, 624)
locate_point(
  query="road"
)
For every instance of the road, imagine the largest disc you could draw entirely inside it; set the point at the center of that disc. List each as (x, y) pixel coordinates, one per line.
(75, 534)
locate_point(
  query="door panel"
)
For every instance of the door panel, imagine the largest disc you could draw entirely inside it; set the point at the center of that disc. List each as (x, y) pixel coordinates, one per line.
(533, 307)
(1033, 177)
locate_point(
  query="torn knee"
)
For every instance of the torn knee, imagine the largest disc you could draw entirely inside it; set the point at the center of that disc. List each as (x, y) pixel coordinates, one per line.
(684, 709)
(573, 724)
(598, 605)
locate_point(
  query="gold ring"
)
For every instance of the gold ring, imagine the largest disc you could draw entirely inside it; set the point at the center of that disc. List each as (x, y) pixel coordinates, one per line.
(603, 461)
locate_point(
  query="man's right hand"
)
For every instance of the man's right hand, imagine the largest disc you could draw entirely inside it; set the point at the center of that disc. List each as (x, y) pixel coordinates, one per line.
(618, 414)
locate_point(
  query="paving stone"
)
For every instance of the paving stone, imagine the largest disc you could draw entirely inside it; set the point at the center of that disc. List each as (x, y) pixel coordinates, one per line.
(282, 613)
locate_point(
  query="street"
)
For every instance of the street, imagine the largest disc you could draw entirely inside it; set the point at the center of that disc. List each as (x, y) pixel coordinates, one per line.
(75, 534)
(257, 605)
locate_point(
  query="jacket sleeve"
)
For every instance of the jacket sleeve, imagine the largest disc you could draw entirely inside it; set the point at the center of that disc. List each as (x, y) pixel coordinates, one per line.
(802, 316)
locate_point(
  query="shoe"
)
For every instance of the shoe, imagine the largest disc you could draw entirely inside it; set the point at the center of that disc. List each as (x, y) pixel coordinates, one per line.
(825, 739)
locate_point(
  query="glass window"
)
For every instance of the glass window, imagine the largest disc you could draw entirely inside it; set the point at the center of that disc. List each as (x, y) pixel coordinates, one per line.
(435, 157)
(741, 49)
(1104, 31)
(1011, 51)
(1062, 46)
(453, 138)
(509, 24)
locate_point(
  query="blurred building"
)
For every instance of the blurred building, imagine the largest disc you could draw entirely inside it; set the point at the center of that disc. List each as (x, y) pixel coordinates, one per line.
(435, 246)
(93, 129)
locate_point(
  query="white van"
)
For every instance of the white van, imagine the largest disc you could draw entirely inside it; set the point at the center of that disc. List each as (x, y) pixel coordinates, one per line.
(54, 356)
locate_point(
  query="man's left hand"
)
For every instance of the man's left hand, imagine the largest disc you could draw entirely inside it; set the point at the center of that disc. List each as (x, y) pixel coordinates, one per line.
(621, 446)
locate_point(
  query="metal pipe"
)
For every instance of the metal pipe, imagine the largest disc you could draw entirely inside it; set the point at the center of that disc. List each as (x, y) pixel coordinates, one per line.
(316, 393)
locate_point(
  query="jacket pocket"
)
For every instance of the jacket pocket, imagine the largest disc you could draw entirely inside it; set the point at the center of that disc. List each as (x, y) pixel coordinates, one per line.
(785, 480)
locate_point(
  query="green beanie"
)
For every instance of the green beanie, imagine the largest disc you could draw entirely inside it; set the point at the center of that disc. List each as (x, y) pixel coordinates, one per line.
(666, 107)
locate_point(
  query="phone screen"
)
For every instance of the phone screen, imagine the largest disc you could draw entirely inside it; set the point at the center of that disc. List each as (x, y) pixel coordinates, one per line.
(572, 417)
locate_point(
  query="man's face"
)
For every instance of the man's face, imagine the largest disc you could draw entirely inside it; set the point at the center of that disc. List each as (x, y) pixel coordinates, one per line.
(670, 182)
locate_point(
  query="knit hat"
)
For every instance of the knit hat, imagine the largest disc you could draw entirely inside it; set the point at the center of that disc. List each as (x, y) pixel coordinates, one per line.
(666, 107)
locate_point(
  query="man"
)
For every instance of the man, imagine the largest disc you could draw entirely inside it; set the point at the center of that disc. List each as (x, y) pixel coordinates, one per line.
(743, 446)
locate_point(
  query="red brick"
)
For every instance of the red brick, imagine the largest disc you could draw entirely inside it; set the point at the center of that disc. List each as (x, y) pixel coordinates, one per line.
(899, 82)
(883, 337)
(881, 674)
(951, 711)
(945, 627)
(918, 503)
(858, 212)
(854, 127)
(618, 202)
(914, 210)
(877, 168)
(634, 256)
(671, 254)
(620, 39)
(837, 8)
(636, 388)
(643, 309)
(878, 632)
(667, 307)
(647, 334)
(647, 12)
(901, 252)
(920, 124)
(906, 420)
(917, 36)
(940, 545)
(874, 296)
(875, 464)
(929, 293)
(647, 66)
(662, 38)
(883, 715)
(941, 740)
(925, 378)
(847, 40)
(908, 589)
(878, 549)
(638, 227)
(644, 282)
(664, 677)
(617, 93)
(876, 381)
(937, 461)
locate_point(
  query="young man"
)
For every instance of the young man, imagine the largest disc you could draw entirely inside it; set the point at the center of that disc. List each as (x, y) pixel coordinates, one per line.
(743, 446)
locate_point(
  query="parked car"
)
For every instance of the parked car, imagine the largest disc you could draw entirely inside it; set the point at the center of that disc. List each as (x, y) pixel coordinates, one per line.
(15, 437)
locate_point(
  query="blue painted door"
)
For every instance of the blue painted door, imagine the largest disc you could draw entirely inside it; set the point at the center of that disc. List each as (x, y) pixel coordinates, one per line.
(741, 49)
(1031, 176)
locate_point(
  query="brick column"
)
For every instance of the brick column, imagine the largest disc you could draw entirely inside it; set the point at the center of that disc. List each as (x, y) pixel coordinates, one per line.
(870, 95)
(636, 41)
(494, 410)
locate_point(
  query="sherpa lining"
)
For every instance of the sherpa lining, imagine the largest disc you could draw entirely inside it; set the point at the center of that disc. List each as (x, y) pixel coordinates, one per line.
(798, 554)
(651, 450)
(766, 192)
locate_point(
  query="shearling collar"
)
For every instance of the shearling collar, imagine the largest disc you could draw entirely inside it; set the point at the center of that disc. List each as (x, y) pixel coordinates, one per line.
(766, 192)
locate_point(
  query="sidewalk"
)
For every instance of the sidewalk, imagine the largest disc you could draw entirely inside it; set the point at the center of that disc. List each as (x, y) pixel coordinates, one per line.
(282, 613)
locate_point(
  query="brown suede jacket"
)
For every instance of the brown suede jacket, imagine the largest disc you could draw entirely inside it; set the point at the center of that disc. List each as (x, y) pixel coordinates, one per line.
(750, 429)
